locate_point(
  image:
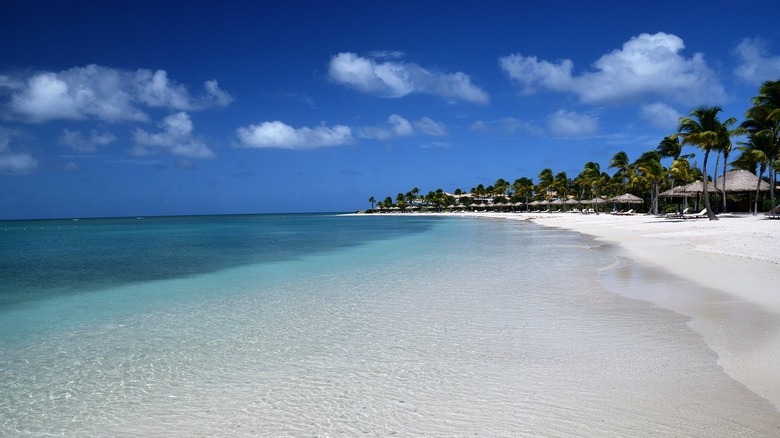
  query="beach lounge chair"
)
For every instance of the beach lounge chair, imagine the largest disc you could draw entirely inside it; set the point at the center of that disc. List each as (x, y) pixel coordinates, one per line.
(774, 213)
(678, 215)
(626, 213)
(700, 215)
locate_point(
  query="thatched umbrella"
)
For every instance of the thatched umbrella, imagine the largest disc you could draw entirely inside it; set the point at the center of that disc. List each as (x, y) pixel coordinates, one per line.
(627, 198)
(571, 202)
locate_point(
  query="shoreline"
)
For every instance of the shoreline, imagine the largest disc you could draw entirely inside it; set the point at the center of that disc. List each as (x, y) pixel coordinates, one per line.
(721, 274)
(722, 278)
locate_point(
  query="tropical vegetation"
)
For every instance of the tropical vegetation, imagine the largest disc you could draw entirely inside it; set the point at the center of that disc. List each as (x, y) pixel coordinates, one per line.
(703, 130)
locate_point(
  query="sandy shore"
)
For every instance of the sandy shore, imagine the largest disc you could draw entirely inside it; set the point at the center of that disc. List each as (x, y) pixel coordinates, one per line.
(725, 277)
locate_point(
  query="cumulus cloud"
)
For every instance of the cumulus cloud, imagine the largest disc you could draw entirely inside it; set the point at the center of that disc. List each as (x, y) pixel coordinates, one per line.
(646, 65)
(756, 64)
(176, 137)
(505, 125)
(17, 164)
(102, 93)
(396, 126)
(564, 123)
(81, 143)
(660, 115)
(388, 78)
(430, 127)
(11, 162)
(280, 135)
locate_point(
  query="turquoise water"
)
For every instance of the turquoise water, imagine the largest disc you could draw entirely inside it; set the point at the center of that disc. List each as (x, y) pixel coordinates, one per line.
(323, 325)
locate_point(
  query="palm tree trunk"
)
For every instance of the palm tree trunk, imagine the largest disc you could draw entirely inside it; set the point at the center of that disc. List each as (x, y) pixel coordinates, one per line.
(773, 182)
(707, 204)
(758, 187)
(655, 198)
(723, 189)
(717, 164)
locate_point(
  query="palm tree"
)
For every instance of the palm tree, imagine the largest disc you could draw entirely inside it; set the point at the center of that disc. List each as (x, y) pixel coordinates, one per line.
(649, 166)
(372, 201)
(400, 200)
(724, 147)
(763, 118)
(623, 173)
(561, 184)
(500, 187)
(670, 147)
(592, 178)
(681, 171)
(704, 130)
(757, 152)
(546, 179)
(523, 188)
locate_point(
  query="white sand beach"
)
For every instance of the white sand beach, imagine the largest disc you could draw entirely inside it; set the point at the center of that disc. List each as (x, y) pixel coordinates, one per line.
(735, 259)
(724, 275)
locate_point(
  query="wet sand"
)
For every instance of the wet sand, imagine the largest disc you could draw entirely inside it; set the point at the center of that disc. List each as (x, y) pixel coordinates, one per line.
(724, 275)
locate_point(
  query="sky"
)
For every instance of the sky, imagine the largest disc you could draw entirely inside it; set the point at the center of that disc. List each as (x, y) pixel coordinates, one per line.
(142, 108)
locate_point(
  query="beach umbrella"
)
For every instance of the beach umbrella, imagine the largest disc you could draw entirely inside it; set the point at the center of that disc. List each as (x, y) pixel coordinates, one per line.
(598, 200)
(571, 202)
(740, 180)
(557, 202)
(627, 198)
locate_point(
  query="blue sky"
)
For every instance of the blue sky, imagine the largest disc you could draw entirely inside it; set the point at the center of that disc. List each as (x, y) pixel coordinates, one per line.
(188, 107)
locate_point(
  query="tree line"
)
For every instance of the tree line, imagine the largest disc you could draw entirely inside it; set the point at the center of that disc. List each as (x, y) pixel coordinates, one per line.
(646, 176)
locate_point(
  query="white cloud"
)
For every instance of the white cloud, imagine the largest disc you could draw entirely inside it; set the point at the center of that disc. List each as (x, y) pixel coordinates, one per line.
(396, 126)
(11, 162)
(756, 65)
(17, 164)
(570, 124)
(430, 127)
(398, 79)
(505, 125)
(280, 135)
(76, 141)
(176, 137)
(103, 93)
(532, 73)
(646, 65)
(660, 115)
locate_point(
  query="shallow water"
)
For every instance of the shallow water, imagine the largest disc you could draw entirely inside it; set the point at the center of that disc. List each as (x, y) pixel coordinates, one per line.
(450, 327)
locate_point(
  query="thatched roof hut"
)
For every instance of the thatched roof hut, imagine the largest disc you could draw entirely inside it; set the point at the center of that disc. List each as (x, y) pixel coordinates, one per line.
(740, 181)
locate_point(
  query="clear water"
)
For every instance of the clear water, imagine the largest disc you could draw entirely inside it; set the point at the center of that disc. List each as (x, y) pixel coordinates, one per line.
(320, 325)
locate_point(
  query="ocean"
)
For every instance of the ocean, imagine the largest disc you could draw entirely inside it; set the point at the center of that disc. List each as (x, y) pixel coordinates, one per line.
(331, 325)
